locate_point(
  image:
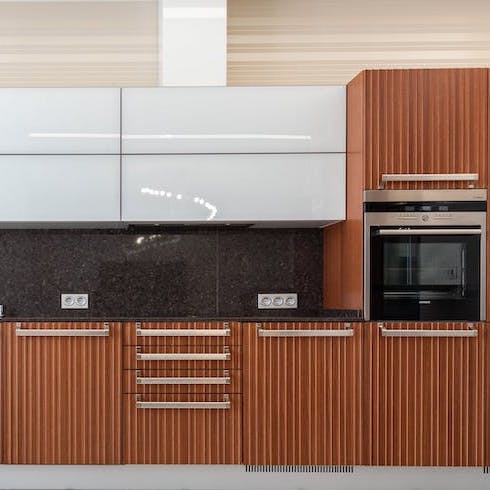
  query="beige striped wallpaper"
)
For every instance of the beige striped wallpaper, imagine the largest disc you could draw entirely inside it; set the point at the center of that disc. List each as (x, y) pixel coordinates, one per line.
(78, 43)
(115, 43)
(329, 41)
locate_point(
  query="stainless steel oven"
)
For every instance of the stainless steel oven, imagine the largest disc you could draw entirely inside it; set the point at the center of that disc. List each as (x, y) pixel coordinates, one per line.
(425, 255)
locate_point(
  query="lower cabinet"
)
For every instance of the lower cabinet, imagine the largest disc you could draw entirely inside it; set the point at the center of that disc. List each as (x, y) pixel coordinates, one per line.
(182, 393)
(426, 393)
(62, 393)
(303, 394)
(182, 429)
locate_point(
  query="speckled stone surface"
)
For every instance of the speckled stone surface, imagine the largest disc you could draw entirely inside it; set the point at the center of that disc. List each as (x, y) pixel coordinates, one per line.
(176, 272)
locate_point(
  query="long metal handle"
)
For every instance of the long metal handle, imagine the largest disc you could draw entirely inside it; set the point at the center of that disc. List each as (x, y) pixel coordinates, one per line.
(182, 332)
(471, 332)
(226, 356)
(427, 178)
(429, 231)
(20, 332)
(224, 405)
(184, 381)
(347, 332)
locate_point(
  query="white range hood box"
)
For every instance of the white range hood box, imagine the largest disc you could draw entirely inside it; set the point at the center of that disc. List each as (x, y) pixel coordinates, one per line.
(263, 190)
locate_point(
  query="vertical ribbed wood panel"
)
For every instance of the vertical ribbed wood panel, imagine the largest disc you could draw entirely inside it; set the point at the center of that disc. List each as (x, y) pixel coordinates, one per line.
(302, 397)
(343, 242)
(427, 397)
(182, 436)
(426, 121)
(62, 396)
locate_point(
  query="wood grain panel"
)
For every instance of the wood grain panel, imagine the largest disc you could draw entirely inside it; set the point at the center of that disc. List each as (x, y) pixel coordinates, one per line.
(427, 397)
(303, 397)
(343, 242)
(182, 436)
(235, 361)
(426, 121)
(131, 386)
(78, 43)
(308, 42)
(235, 338)
(62, 396)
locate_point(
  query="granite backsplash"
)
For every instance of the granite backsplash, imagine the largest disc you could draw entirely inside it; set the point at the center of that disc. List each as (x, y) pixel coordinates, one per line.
(149, 273)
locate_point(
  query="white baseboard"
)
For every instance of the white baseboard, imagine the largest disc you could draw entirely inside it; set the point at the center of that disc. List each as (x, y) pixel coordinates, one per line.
(210, 477)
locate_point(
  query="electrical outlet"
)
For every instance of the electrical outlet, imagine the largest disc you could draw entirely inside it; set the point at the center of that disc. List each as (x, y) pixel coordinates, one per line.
(74, 301)
(277, 301)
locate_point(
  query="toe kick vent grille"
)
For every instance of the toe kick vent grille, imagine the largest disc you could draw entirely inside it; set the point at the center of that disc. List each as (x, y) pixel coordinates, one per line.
(298, 469)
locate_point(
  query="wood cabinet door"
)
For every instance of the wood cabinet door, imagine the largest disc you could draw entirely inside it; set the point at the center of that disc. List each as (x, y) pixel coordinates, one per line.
(426, 393)
(183, 429)
(302, 394)
(62, 389)
(425, 121)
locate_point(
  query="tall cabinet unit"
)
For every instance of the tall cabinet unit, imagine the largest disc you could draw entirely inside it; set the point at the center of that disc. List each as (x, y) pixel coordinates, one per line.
(403, 122)
(426, 391)
(303, 394)
(62, 393)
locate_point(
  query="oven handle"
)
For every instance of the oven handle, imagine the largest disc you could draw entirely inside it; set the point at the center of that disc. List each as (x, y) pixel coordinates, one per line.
(429, 231)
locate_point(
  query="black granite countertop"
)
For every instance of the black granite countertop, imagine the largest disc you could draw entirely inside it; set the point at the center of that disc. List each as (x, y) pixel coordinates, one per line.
(194, 319)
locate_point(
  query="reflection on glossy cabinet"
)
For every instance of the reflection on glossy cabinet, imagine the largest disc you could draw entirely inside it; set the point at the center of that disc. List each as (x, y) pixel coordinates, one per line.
(303, 394)
(426, 393)
(62, 389)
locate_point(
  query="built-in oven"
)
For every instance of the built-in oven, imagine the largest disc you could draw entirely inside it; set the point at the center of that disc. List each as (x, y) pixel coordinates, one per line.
(425, 255)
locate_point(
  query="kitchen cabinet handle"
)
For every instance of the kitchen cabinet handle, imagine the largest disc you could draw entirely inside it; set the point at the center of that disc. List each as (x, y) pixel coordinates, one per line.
(184, 381)
(428, 178)
(226, 404)
(347, 332)
(182, 332)
(226, 356)
(20, 332)
(429, 231)
(471, 332)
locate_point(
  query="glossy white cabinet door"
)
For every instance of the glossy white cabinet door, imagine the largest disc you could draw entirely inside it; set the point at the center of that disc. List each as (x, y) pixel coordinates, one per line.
(234, 188)
(59, 188)
(59, 120)
(234, 120)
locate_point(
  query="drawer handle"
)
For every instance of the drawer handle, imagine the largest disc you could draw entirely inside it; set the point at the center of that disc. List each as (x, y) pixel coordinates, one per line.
(347, 332)
(182, 332)
(226, 356)
(183, 381)
(471, 332)
(224, 405)
(20, 332)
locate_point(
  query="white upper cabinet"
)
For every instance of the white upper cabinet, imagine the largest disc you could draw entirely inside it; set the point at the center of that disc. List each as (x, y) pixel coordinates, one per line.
(59, 188)
(59, 121)
(234, 120)
(302, 189)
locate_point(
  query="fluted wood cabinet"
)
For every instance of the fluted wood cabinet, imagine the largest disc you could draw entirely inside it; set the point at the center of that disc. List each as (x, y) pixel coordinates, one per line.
(182, 393)
(426, 391)
(61, 385)
(303, 394)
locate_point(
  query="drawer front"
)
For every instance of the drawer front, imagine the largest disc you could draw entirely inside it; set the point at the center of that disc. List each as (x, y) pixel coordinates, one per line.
(182, 429)
(154, 381)
(182, 357)
(182, 333)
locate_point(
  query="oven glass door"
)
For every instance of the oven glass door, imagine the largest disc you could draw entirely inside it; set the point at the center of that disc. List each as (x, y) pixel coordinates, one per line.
(425, 276)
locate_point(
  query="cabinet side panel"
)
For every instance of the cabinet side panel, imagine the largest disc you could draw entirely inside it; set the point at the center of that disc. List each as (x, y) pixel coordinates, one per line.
(343, 242)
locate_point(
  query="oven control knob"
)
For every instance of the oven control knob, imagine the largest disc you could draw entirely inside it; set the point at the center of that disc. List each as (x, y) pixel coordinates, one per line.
(425, 217)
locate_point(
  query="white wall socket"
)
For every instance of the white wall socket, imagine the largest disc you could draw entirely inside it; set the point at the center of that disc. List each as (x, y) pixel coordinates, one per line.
(277, 301)
(74, 301)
